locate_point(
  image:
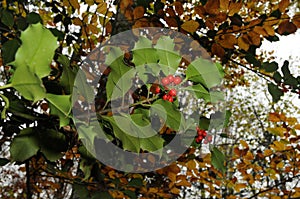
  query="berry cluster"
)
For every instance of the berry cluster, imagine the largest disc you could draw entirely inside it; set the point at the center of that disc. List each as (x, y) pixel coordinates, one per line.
(201, 135)
(168, 95)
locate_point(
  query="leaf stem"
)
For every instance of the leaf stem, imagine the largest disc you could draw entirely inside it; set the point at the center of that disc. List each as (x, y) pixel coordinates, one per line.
(6, 86)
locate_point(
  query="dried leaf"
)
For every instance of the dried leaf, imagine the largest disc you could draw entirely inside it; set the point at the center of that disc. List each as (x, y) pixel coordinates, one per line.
(286, 27)
(234, 7)
(227, 41)
(283, 5)
(212, 7)
(74, 4)
(178, 7)
(254, 38)
(200, 11)
(190, 26)
(138, 12)
(274, 117)
(216, 49)
(269, 29)
(260, 30)
(224, 4)
(171, 21)
(296, 20)
(243, 42)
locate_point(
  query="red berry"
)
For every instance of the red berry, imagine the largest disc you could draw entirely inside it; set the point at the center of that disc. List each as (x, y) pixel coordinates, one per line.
(209, 138)
(205, 141)
(204, 133)
(172, 92)
(177, 80)
(170, 78)
(165, 81)
(157, 90)
(198, 140)
(165, 97)
(170, 99)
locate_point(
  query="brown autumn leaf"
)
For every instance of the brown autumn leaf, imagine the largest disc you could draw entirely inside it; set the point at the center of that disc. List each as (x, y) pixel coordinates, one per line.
(171, 21)
(77, 21)
(243, 42)
(221, 17)
(74, 4)
(274, 117)
(234, 7)
(254, 38)
(224, 5)
(108, 28)
(200, 11)
(227, 41)
(170, 12)
(212, 7)
(175, 190)
(209, 24)
(286, 27)
(269, 29)
(216, 49)
(260, 30)
(138, 12)
(283, 5)
(296, 20)
(178, 7)
(190, 26)
(102, 8)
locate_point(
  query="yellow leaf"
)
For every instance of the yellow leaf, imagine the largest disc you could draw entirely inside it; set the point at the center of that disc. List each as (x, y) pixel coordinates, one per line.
(249, 156)
(297, 127)
(244, 144)
(190, 26)
(278, 146)
(280, 165)
(102, 8)
(291, 120)
(279, 131)
(296, 20)
(260, 30)
(268, 152)
(77, 21)
(90, 2)
(283, 5)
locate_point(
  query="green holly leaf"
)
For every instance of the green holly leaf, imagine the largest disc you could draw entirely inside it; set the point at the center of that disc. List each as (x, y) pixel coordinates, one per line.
(168, 112)
(28, 84)
(3, 161)
(60, 105)
(205, 72)
(218, 159)
(116, 81)
(68, 75)
(37, 50)
(144, 53)
(9, 50)
(52, 144)
(24, 145)
(167, 55)
(7, 17)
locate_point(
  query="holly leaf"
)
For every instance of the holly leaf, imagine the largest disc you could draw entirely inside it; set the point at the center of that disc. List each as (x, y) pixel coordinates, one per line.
(9, 50)
(60, 105)
(144, 53)
(270, 66)
(167, 55)
(28, 84)
(168, 112)
(24, 145)
(68, 75)
(205, 72)
(218, 159)
(37, 50)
